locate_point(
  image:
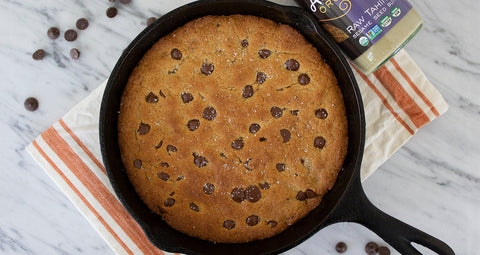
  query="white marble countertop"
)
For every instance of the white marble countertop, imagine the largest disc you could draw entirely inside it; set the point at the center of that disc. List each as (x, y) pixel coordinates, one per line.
(432, 183)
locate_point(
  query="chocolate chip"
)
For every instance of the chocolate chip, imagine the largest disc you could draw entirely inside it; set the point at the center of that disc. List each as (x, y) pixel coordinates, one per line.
(261, 77)
(286, 135)
(172, 193)
(193, 124)
(124, 1)
(294, 112)
(151, 20)
(169, 202)
(319, 142)
(164, 164)
(159, 145)
(200, 161)
(262, 139)
(247, 91)
(143, 129)
(371, 248)
(163, 176)
(341, 247)
(194, 207)
(280, 167)
(292, 65)
(75, 53)
(171, 148)
(310, 193)
(82, 23)
(238, 194)
(187, 97)
(303, 79)
(254, 128)
(70, 35)
(382, 250)
(229, 224)
(151, 98)
(112, 12)
(264, 53)
(208, 188)
(31, 104)
(253, 194)
(238, 144)
(301, 196)
(179, 178)
(53, 33)
(176, 54)
(244, 43)
(264, 185)
(137, 163)
(253, 220)
(272, 223)
(38, 54)
(223, 155)
(276, 112)
(209, 113)
(207, 69)
(321, 113)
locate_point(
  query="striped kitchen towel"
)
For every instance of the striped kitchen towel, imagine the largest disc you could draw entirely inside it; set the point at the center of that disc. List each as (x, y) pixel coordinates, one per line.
(398, 100)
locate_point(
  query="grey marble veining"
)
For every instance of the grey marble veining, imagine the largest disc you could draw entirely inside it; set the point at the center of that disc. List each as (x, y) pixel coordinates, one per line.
(432, 183)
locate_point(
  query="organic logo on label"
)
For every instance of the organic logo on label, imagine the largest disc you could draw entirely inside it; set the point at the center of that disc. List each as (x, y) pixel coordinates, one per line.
(323, 7)
(396, 12)
(385, 21)
(363, 41)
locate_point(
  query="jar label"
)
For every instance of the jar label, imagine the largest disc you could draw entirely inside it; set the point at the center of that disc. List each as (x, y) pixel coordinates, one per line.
(357, 25)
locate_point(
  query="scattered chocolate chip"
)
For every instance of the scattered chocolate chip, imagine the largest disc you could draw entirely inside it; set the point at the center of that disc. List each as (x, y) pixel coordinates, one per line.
(187, 97)
(294, 112)
(70, 35)
(161, 94)
(272, 223)
(209, 113)
(371, 248)
(310, 193)
(179, 178)
(137, 163)
(303, 79)
(264, 185)
(82, 23)
(261, 77)
(38, 54)
(382, 250)
(200, 161)
(253, 220)
(238, 144)
(143, 129)
(238, 194)
(341, 247)
(171, 148)
(280, 167)
(169, 202)
(253, 194)
(172, 193)
(159, 145)
(163, 176)
(244, 43)
(151, 98)
(229, 224)
(53, 33)
(207, 69)
(75, 53)
(264, 53)
(262, 139)
(254, 128)
(208, 188)
(223, 155)
(31, 104)
(292, 65)
(319, 142)
(286, 135)
(247, 91)
(321, 113)
(301, 196)
(193, 124)
(164, 164)
(176, 54)
(194, 207)
(302, 161)
(151, 20)
(112, 12)
(276, 112)
(124, 1)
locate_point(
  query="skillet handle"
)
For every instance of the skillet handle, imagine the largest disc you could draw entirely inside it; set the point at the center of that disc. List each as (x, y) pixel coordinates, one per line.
(355, 207)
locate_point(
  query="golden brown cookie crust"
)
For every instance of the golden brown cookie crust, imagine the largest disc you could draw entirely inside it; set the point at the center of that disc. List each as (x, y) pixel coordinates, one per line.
(282, 168)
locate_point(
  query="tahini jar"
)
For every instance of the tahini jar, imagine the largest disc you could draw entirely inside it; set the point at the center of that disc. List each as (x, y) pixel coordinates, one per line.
(369, 32)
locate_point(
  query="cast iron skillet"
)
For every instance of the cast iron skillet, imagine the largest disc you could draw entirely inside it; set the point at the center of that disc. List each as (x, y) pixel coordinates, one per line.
(345, 202)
